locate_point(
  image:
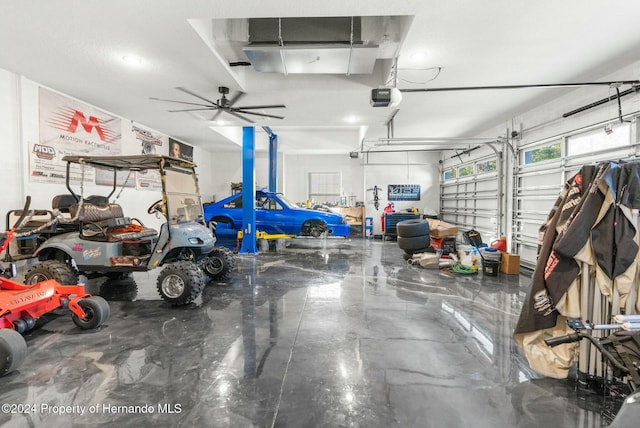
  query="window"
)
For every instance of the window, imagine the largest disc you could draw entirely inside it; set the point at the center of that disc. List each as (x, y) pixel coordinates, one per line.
(325, 186)
(487, 166)
(610, 137)
(268, 204)
(465, 171)
(450, 175)
(544, 153)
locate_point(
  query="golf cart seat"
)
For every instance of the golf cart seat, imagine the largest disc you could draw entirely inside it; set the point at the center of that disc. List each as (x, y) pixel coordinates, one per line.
(108, 223)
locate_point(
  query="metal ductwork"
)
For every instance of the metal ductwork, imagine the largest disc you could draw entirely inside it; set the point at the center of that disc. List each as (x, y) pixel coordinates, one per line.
(322, 45)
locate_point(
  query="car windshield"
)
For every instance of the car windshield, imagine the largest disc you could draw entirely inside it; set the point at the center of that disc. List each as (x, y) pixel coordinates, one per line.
(183, 200)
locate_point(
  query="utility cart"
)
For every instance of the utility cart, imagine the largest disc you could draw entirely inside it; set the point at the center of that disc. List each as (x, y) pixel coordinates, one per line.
(94, 237)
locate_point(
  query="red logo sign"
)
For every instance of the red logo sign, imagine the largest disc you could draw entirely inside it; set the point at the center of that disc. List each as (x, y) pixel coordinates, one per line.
(68, 120)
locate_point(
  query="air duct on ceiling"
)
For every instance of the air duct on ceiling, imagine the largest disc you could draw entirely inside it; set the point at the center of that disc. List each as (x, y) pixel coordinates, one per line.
(325, 45)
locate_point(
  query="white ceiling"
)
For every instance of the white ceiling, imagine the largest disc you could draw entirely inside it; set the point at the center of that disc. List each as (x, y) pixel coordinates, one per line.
(76, 47)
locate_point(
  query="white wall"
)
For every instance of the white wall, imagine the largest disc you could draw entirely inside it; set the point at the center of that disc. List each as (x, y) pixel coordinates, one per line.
(382, 169)
(11, 173)
(226, 168)
(297, 168)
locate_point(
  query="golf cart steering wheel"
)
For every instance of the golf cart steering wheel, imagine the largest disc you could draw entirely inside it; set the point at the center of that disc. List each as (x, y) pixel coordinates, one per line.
(156, 207)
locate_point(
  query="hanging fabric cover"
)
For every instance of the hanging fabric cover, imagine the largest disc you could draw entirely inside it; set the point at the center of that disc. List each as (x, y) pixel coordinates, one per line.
(554, 276)
(593, 224)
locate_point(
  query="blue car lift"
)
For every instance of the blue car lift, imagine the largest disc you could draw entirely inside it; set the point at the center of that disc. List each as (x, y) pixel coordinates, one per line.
(249, 233)
(273, 159)
(248, 191)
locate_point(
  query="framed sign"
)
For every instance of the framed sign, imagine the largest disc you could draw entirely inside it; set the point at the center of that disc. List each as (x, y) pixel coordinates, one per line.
(180, 150)
(403, 192)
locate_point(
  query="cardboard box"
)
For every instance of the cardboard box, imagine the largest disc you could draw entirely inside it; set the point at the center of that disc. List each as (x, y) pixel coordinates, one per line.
(510, 264)
(440, 229)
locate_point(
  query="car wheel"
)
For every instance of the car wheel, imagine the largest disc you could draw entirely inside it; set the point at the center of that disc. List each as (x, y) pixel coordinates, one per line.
(412, 227)
(413, 243)
(314, 228)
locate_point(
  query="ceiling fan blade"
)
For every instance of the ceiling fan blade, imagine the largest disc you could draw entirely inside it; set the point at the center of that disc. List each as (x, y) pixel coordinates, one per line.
(236, 98)
(179, 102)
(233, 113)
(193, 109)
(260, 107)
(215, 116)
(193, 94)
(258, 114)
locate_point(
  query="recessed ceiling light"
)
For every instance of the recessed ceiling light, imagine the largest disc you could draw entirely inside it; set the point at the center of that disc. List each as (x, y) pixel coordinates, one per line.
(351, 119)
(418, 56)
(132, 60)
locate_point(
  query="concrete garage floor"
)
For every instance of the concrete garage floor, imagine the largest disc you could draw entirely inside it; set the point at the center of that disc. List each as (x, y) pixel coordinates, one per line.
(326, 333)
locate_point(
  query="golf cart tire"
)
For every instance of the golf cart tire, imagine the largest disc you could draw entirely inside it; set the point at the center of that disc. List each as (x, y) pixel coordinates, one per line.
(97, 310)
(51, 269)
(219, 264)
(180, 283)
(13, 350)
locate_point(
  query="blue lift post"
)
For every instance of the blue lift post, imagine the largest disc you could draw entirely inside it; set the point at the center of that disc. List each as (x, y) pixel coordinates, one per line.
(248, 191)
(273, 159)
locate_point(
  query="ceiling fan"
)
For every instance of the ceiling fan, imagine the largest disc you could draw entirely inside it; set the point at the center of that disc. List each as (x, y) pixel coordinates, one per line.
(224, 105)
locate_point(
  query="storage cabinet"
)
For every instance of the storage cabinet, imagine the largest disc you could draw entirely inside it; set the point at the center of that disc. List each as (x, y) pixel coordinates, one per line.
(390, 220)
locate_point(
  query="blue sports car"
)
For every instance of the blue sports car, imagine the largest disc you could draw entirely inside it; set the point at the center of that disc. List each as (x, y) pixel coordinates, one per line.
(275, 214)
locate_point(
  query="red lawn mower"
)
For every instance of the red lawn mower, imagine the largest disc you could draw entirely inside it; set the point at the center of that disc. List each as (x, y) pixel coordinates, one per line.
(21, 305)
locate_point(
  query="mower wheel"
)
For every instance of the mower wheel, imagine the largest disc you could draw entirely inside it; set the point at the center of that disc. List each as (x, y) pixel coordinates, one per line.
(13, 350)
(219, 264)
(180, 283)
(97, 310)
(51, 269)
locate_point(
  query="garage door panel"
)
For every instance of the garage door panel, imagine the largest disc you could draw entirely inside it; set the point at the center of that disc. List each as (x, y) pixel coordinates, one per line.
(538, 183)
(472, 202)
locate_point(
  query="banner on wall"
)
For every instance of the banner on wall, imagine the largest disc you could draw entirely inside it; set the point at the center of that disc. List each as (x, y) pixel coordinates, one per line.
(403, 192)
(150, 143)
(180, 150)
(70, 127)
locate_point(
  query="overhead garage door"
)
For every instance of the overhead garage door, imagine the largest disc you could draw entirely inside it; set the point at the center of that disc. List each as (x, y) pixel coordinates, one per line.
(544, 166)
(469, 196)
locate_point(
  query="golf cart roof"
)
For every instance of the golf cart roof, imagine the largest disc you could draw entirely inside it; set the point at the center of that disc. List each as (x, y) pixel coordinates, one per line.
(132, 163)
